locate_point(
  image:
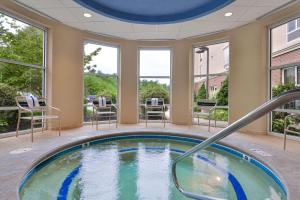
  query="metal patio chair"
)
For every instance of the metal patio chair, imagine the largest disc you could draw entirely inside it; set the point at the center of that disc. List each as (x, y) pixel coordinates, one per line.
(155, 107)
(206, 108)
(36, 114)
(104, 109)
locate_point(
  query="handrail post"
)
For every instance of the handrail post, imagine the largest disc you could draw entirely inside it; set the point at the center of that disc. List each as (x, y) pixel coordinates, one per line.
(247, 119)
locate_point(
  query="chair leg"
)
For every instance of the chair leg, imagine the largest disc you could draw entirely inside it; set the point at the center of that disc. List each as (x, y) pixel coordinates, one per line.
(97, 122)
(18, 125)
(215, 118)
(42, 126)
(284, 139)
(59, 127)
(31, 130)
(146, 119)
(208, 123)
(109, 120)
(116, 120)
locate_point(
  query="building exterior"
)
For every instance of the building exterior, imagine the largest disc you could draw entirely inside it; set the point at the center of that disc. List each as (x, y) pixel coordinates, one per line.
(217, 70)
(286, 53)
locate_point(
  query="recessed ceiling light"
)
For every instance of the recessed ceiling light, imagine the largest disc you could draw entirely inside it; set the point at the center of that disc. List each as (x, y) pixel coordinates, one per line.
(228, 14)
(88, 15)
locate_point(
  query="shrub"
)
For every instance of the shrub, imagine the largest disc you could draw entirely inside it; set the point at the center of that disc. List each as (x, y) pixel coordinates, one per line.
(222, 95)
(7, 95)
(277, 90)
(100, 85)
(7, 98)
(153, 89)
(220, 114)
(201, 93)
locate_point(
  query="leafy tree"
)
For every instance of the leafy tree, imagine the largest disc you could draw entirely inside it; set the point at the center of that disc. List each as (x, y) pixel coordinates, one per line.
(201, 93)
(100, 85)
(24, 44)
(151, 89)
(222, 95)
(7, 98)
(277, 90)
(88, 58)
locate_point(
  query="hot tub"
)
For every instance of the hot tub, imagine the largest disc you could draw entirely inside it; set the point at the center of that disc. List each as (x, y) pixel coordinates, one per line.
(138, 166)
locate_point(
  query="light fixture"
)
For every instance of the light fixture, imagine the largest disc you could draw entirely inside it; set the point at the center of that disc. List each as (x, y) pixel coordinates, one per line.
(218, 178)
(228, 14)
(88, 15)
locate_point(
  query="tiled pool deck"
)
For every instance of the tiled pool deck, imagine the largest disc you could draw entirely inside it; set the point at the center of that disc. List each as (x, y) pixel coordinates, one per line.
(267, 149)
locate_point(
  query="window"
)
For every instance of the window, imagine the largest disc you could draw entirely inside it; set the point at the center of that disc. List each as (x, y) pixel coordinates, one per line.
(154, 77)
(293, 29)
(291, 75)
(226, 57)
(100, 75)
(283, 72)
(210, 76)
(213, 88)
(22, 67)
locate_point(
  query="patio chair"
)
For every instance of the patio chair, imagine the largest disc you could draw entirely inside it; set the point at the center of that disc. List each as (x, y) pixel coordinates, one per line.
(294, 127)
(206, 108)
(35, 110)
(155, 107)
(103, 107)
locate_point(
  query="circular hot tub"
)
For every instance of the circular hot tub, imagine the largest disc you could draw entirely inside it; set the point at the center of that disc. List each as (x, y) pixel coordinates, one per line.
(138, 166)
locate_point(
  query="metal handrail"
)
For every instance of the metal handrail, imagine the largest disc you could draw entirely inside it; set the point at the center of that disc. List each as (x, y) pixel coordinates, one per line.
(247, 119)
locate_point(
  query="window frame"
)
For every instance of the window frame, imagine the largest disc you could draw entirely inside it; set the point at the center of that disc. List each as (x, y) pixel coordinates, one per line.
(269, 69)
(32, 66)
(139, 77)
(295, 68)
(193, 76)
(43, 67)
(296, 21)
(106, 44)
(226, 62)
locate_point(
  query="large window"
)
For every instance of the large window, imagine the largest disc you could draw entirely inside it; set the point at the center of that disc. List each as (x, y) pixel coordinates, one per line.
(293, 30)
(210, 80)
(154, 77)
(100, 75)
(284, 70)
(22, 67)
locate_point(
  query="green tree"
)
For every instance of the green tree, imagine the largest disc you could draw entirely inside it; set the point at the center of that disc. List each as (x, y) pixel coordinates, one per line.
(201, 93)
(101, 85)
(222, 95)
(151, 89)
(87, 60)
(279, 89)
(23, 44)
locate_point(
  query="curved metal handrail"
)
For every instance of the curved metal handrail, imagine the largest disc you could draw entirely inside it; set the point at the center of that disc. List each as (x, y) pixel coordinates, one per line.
(247, 119)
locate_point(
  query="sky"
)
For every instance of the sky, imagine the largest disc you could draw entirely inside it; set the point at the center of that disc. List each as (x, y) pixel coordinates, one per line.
(152, 62)
(107, 59)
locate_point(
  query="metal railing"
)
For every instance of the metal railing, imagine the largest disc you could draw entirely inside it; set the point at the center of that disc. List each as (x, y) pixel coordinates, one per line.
(247, 119)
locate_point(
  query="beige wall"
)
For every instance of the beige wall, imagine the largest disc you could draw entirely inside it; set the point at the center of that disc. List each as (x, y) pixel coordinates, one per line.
(248, 72)
(66, 86)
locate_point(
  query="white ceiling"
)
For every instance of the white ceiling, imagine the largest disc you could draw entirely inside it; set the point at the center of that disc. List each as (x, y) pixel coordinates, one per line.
(71, 13)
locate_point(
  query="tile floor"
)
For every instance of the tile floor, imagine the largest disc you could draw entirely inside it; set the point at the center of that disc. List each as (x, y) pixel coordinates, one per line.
(13, 164)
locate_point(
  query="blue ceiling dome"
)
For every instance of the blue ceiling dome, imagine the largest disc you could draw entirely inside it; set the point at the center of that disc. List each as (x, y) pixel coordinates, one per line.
(154, 11)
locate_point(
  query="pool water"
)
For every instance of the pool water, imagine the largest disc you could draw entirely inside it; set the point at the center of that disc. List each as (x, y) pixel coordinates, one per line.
(140, 168)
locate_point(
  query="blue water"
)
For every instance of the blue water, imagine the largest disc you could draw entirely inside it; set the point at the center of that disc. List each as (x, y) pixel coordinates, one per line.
(140, 169)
